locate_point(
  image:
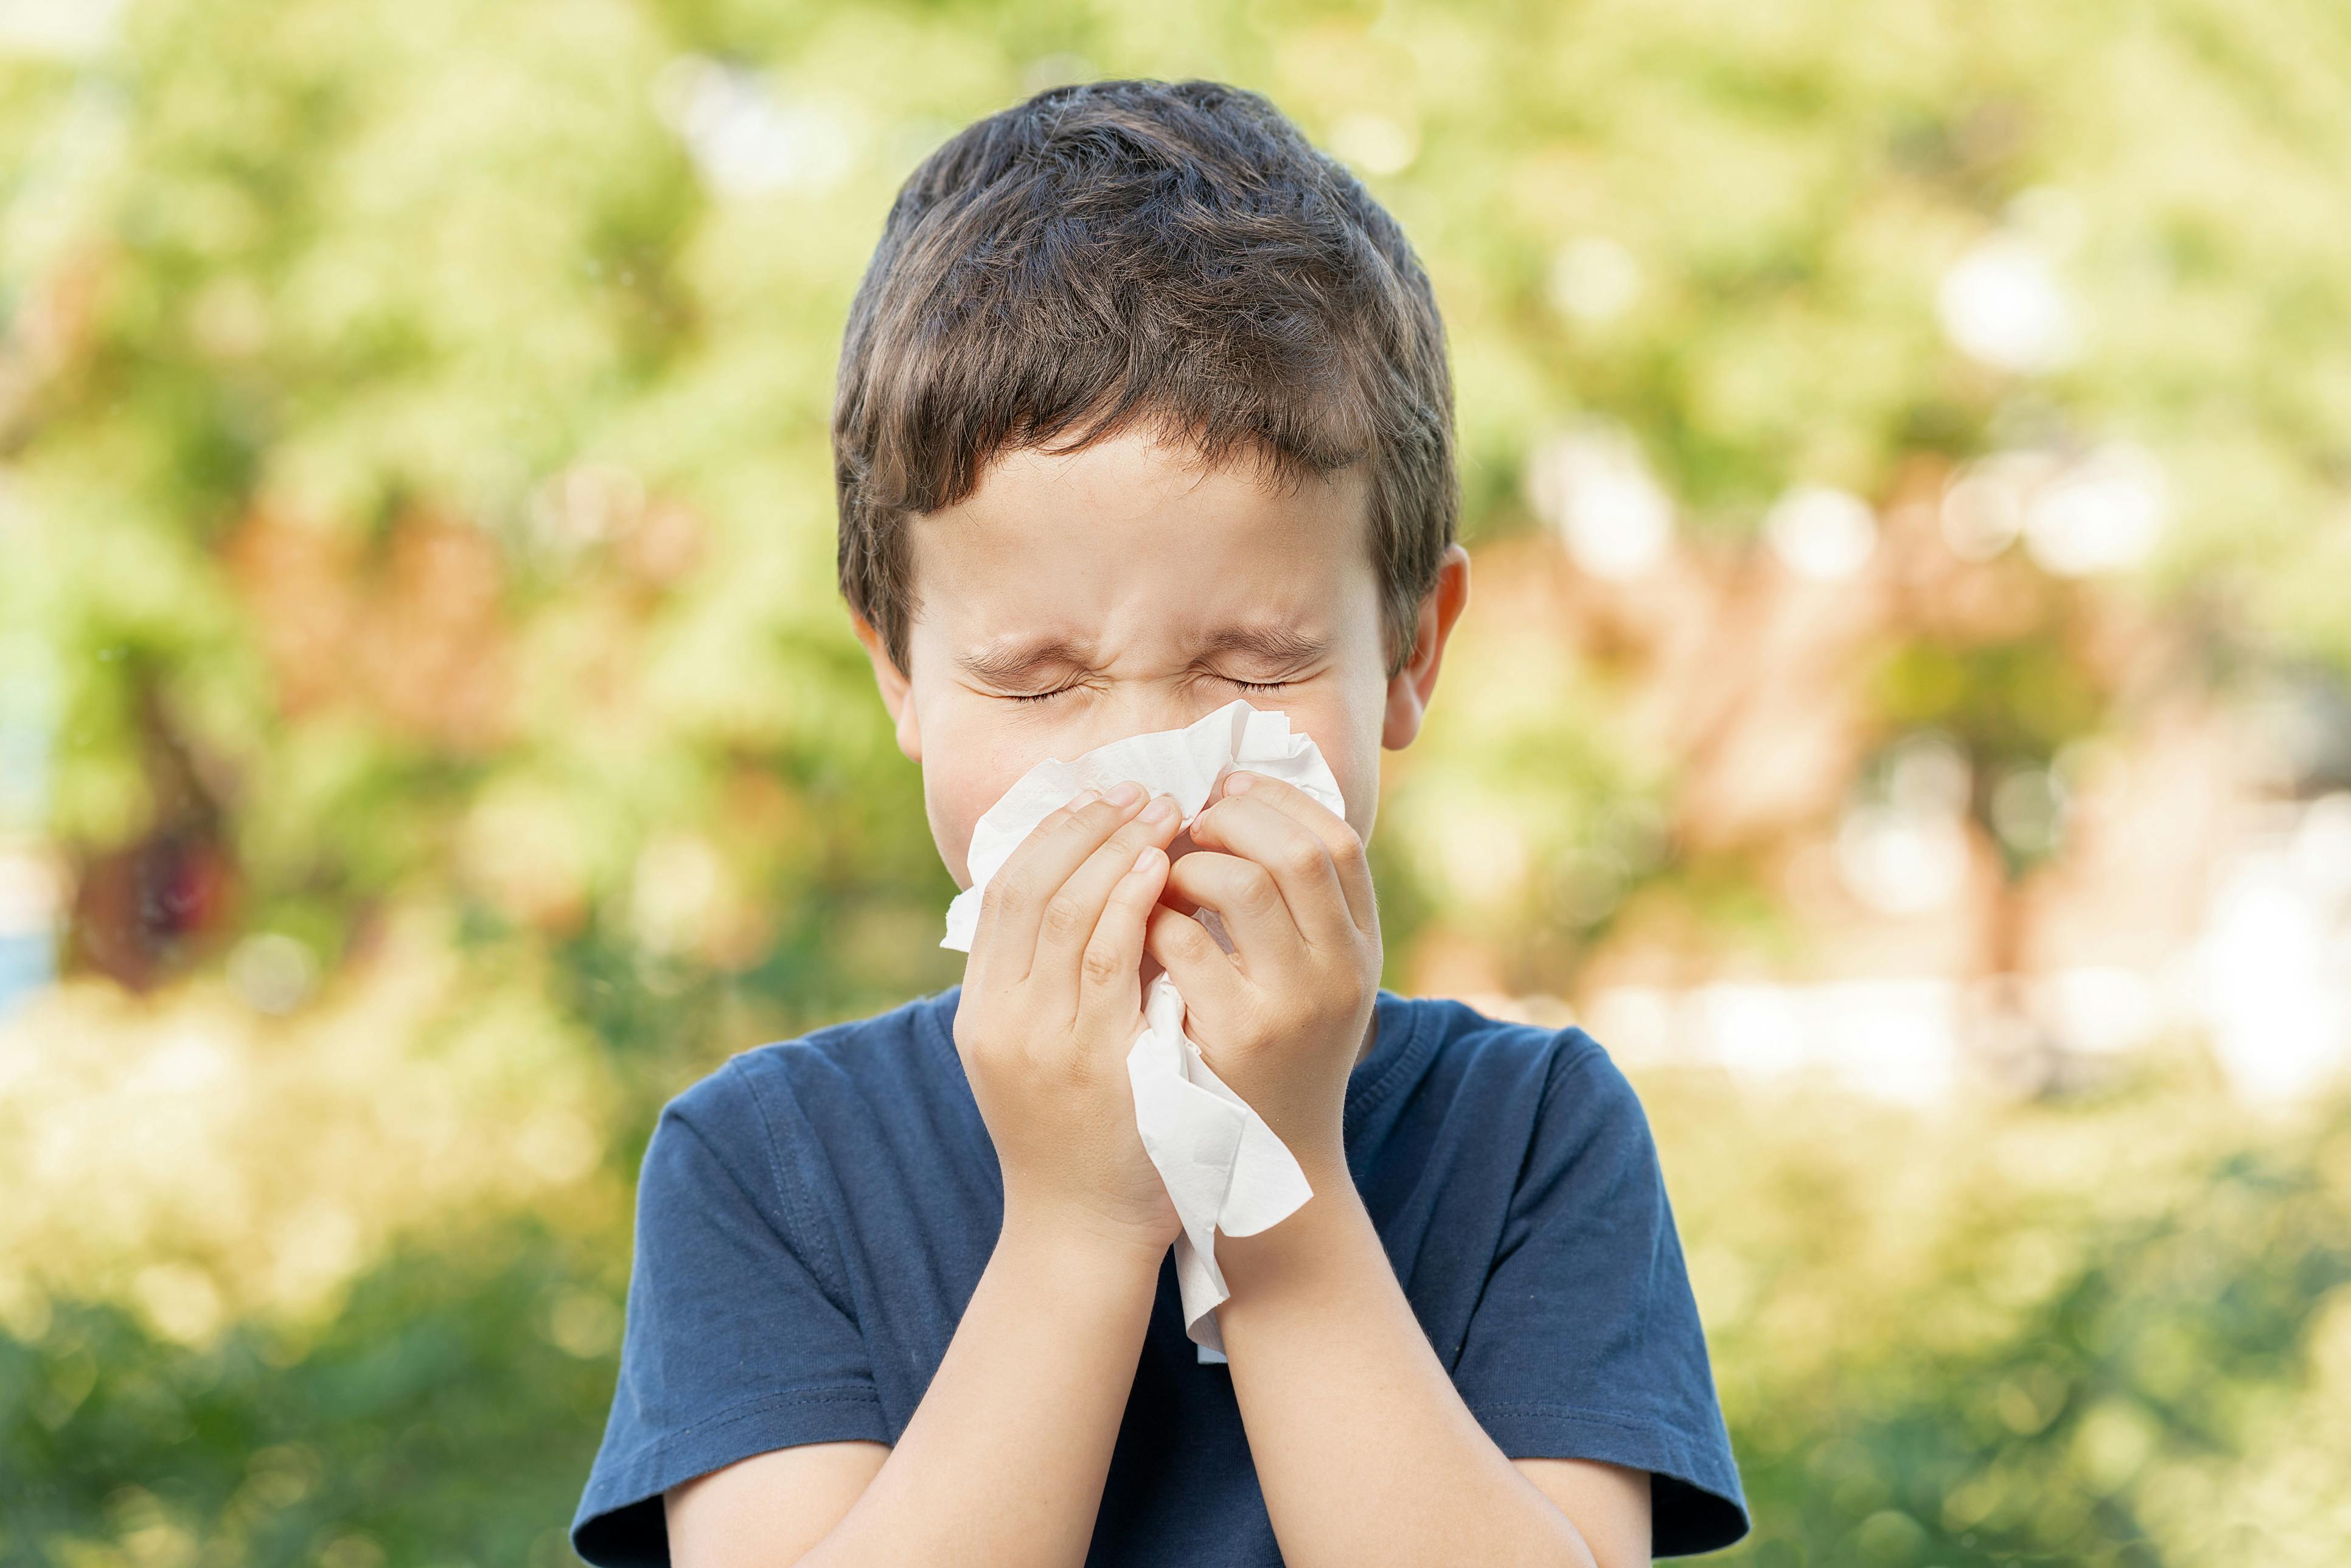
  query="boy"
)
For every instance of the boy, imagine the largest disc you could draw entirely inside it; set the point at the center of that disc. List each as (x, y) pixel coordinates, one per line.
(1143, 406)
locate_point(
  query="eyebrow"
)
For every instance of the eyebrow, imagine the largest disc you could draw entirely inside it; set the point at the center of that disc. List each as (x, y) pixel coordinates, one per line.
(1019, 664)
(1277, 645)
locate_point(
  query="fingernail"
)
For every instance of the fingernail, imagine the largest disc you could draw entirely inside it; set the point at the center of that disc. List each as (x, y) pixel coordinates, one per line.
(1236, 783)
(1084, 798)
(1125, 794)
(1162, 812)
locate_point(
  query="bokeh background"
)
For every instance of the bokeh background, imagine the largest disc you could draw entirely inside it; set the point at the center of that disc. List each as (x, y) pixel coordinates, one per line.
(1905, 711)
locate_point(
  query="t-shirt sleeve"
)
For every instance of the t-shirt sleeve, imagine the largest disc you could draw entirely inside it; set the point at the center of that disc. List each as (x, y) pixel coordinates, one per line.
(1585, 1342)
(738, 1337)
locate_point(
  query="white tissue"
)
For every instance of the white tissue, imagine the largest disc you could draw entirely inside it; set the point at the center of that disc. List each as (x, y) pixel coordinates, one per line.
(1224, 1168)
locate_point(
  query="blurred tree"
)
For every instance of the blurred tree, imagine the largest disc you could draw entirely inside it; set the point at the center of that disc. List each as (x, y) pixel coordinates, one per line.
(412, 460)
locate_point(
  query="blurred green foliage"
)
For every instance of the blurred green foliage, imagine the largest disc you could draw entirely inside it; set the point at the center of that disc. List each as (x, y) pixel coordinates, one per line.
(415, 1426)
(414, 496)
(2101, 1337)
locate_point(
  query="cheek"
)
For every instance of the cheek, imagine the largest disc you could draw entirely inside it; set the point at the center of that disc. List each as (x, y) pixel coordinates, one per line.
(1349, 740)
(963, 775)
(953, 810)
(1359, 781)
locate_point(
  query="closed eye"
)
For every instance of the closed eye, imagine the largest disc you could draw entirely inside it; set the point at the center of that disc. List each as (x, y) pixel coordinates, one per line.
(1230, 680)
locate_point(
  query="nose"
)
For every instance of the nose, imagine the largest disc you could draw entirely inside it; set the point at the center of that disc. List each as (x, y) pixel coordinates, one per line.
(1141, 708)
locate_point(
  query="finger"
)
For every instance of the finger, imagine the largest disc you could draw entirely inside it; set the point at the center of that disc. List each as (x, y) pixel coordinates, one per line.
(1210, 983)
(1110, 972)
(1339, 840)
(1038, 866)
(1286, 847)
(1067, 924)
(1246, 898)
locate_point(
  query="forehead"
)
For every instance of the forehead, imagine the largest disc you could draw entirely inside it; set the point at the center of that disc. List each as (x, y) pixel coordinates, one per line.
(1136, 542)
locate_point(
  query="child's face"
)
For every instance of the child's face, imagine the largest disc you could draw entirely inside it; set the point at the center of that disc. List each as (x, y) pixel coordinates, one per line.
(1124, 589)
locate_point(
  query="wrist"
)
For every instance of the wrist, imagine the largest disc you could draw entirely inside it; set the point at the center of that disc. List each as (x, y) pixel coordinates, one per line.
(1072, 1248)
(1316, 1137)
(1325, 1234)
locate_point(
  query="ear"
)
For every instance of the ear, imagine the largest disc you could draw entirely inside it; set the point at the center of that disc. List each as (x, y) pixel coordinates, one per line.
(1409, 689)
(896, 691)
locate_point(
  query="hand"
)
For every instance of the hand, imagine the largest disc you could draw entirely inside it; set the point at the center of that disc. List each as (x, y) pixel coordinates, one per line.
(1282, 1019)
(1052, 999)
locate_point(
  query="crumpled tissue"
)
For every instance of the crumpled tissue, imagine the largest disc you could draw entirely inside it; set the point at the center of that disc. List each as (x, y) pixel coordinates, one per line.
(1223, 1166)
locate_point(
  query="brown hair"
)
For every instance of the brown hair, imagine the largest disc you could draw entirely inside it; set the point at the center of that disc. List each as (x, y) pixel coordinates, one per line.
(1175, 253)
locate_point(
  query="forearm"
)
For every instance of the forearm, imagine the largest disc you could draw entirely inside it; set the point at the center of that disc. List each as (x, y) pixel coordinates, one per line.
(1003, 1461)
(1362, 1445)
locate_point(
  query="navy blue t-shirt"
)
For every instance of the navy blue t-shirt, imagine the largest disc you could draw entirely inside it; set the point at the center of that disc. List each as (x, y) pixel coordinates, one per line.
(813, 1218)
